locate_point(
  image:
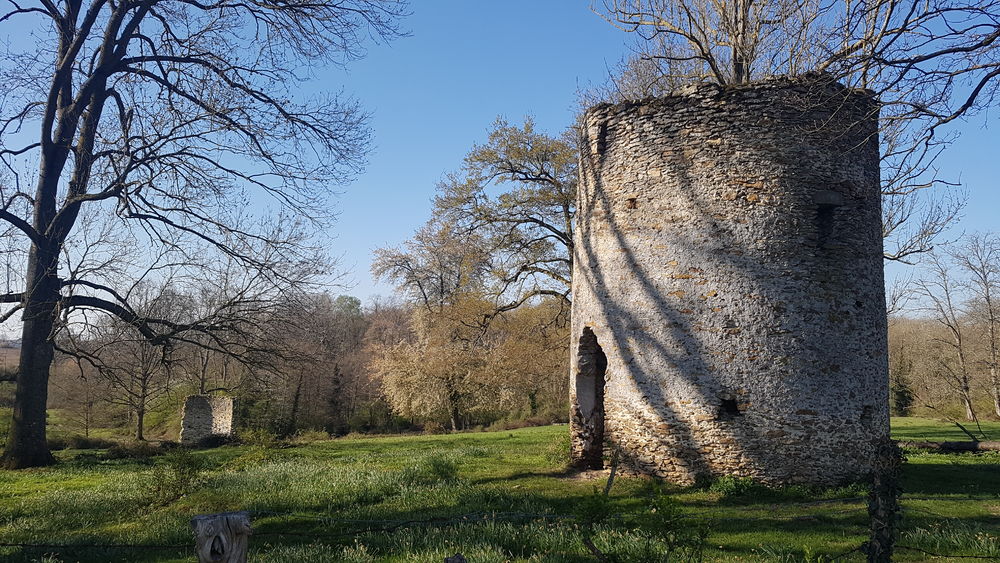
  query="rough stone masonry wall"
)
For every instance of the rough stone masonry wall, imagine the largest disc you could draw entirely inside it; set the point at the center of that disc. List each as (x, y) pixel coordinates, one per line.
(728, 259)
(204, 416)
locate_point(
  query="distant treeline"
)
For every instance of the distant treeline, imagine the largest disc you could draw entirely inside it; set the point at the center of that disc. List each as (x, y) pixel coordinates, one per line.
(339, 368)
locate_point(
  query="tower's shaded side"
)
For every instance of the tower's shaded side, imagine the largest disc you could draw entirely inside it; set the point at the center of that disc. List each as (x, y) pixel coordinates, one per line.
(728, 289)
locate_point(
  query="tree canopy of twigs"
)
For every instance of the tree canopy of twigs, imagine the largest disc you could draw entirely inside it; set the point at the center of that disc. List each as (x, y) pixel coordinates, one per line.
(178, 126)
(452, 372)
(501, 226)
(518, 192)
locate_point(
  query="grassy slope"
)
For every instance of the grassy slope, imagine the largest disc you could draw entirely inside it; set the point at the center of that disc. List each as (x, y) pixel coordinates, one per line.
(338, 488)
(925, 429)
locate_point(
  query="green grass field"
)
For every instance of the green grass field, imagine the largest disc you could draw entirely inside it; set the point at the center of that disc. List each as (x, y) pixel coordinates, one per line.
(492, 496)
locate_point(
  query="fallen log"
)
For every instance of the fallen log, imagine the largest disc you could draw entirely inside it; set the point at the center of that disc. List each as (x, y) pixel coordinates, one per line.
(968, 446)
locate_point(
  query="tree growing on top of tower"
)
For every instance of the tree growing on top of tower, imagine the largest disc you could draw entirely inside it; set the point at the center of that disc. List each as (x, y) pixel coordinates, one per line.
(929, 63)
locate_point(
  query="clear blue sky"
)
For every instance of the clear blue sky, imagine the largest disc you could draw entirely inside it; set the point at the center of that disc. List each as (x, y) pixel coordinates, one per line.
(435, 93)
(974, 161)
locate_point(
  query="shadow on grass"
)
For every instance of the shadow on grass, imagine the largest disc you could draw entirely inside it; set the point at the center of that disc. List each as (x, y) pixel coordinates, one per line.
(420, 513)
(552, 474)
(454, 515)
(953, 474)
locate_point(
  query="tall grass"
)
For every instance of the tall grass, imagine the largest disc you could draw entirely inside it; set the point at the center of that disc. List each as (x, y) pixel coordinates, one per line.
(492, 496)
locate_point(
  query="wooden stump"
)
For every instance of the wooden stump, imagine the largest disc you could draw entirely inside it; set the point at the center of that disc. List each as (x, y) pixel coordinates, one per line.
(222, 538)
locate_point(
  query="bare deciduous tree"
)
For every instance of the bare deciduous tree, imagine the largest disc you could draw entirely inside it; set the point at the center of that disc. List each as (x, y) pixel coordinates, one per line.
(171, 116)
(979, 258)
(527, 229)
(437, 266)
(316, 381)
(725, 41)
(941, 293)
(924, 48)
(137, 372)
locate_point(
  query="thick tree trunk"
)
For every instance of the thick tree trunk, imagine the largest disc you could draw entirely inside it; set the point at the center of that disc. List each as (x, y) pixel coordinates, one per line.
(453, 411)
(26, 445)
(293, 417)
(970, 413)
(140, 416)
(995, 381)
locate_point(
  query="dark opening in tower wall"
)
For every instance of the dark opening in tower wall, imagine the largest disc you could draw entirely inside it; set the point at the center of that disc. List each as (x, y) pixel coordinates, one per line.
(824, 224)
(866, 414)
(602, 137)
(592, 365)
(827, 202)
(729, 408)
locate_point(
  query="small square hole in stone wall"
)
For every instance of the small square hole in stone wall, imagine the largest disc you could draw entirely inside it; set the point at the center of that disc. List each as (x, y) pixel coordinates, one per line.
(824, 224)
(729, 408)
(602, 137)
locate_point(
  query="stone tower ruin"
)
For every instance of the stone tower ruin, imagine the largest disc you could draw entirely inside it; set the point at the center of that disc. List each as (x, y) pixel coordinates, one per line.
(728, 300)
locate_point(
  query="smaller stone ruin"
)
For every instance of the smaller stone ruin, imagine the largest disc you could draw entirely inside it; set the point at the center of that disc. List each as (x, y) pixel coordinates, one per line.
(205, 416)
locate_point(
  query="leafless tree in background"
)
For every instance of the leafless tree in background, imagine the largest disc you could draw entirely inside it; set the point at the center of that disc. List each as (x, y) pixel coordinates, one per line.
(435, 268)
(922, 50)
(136, 371)
(948, 355)
(941, 293)
(80, 395)
(316, 384)
(979, 258)
(527, 228)
(169, 117)
(929, 63)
